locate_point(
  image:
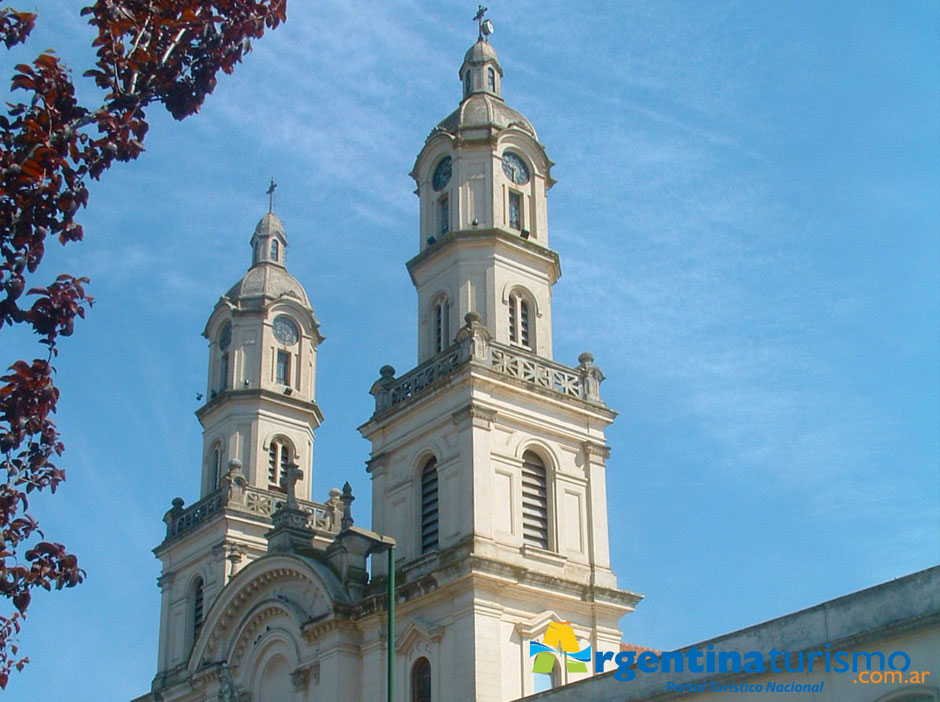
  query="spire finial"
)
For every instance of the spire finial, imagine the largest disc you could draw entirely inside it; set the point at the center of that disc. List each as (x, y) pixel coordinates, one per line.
(270, 191)
(485, 26)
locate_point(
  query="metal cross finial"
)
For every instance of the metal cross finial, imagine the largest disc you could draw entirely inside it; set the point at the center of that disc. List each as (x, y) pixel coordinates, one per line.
(478, 18)
(270, 191)
(289, 480)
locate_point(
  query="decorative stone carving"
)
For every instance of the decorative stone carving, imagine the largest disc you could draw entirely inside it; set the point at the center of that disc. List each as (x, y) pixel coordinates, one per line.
(234, 484)
(473, 338)
(379, 389)
(332, 520)
(347, 499)
(288, 483)
(300, 678)
(227, 690)
(591, 378)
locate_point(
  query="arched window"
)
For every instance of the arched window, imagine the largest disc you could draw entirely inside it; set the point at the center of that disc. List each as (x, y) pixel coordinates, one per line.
(491, 79)
(223, 372)
(279, 457)
(443, 213)
(519, 321)
(197, 603)
(429, 506)
(547, 681)
(282, 368)
(275, 249)
(215, 471)
(515, 210)
(441, 314)
(421, 681)
(534, 501)
(467, 83)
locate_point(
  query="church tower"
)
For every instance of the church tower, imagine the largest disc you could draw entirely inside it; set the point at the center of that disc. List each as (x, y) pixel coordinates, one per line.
(258, 421)
(489, 458)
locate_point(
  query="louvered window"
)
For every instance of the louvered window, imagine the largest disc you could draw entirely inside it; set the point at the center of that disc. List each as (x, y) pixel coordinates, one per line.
(429, 506)
(278, 460)
(197, 608)
(285, 462)
(491, 79)
(441, 325)
(216, 466)
(523, 323)
(534, 501)
(272, 463)
(519, 321)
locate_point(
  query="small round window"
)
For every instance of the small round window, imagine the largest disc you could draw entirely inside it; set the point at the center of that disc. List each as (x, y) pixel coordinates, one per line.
(285, 330)
(441, 173)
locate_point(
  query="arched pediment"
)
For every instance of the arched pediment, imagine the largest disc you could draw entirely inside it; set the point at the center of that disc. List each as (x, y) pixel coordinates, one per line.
(283, 587)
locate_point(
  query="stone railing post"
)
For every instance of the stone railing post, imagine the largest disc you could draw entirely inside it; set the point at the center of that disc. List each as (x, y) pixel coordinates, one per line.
(234, 484)
(474, 339)
(380, 388)
(173, 515)
(591, 378)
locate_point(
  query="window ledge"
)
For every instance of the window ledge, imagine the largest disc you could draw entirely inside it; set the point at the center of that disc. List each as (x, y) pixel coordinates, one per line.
(540, 554)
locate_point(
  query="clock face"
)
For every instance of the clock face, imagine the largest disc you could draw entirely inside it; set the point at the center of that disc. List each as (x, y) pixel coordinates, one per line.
(515, 169)
(225, 338)
(441, 173)
(285, 330)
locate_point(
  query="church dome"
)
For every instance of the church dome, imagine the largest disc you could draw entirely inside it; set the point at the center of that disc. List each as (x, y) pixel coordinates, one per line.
(481, 51)
(268, 281)
(269, 224)
(483, 110)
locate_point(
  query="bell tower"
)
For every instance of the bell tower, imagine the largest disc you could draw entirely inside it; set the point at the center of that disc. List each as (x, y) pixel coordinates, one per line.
(258, 422)
(489, 458)
(261, 396)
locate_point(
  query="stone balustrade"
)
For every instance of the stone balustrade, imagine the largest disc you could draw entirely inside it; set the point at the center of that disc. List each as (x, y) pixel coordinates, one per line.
(249, 499)
(474, 344)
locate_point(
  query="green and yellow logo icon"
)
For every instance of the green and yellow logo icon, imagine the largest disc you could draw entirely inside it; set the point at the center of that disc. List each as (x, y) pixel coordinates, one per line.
(559, 639)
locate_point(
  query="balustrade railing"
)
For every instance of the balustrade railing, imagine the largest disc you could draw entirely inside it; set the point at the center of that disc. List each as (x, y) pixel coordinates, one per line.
(473, 344)
(254, 500)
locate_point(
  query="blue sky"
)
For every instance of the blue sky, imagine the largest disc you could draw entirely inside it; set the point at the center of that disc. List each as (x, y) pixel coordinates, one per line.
(747, 215)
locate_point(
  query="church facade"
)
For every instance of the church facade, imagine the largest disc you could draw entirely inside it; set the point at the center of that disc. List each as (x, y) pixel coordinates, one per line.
(488, 464)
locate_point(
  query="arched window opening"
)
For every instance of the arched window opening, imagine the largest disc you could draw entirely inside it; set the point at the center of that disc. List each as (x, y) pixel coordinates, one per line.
(534, 501)
(524, 322)
(198, 602)
(223, 372)
(515, 211)
(444, 215)
(421, 681)
(441, 325)
(467, 83)
(429, 507)
(491, 79)
(216, 472)
(547, 681)
(519, 321)
(279, 458)
(275, 249)
(282, 368)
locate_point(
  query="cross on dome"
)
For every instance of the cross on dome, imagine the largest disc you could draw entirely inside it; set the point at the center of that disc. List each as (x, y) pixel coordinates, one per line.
(270, 191)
